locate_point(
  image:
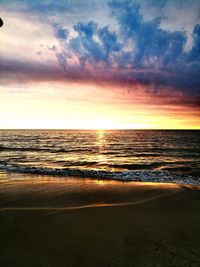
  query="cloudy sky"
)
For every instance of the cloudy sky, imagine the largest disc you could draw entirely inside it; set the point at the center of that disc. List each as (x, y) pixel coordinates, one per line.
(100, 64)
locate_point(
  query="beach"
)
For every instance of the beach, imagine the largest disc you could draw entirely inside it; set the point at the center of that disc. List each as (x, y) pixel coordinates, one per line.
(99, 133)
(52, 221)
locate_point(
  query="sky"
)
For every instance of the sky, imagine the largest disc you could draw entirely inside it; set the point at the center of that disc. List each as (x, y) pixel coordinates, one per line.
(91, 64)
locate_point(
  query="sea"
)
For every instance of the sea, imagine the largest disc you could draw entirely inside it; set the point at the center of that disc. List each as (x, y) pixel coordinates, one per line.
(166, 156)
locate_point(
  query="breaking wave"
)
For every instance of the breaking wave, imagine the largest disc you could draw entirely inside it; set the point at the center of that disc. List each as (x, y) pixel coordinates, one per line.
(160, 176)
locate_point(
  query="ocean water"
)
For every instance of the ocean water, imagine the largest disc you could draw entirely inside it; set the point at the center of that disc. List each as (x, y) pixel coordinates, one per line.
(129, 155)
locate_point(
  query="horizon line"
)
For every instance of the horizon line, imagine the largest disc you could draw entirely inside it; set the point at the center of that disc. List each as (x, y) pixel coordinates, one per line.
(79, 129)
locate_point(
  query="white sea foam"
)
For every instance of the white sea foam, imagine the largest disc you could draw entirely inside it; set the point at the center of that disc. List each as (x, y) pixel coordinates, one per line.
(137, 175)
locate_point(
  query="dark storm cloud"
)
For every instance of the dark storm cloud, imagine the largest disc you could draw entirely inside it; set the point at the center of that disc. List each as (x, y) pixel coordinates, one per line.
(154, 47)
(138, 52)
(60, 32)
(194, 54)
(94, 44)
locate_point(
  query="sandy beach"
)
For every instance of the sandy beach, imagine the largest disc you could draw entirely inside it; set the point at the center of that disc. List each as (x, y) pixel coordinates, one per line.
(100, 133)
(54, 222)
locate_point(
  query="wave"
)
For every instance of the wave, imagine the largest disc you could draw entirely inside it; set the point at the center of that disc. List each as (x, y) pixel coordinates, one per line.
(135, 166)
(36, 149)
(3, 148)
(167, 166)
(160, 176)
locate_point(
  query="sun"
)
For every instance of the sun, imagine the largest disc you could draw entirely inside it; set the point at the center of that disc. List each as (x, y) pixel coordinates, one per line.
(102, 123)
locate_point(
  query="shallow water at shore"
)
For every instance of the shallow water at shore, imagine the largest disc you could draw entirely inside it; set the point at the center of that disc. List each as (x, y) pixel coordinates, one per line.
(22, 191)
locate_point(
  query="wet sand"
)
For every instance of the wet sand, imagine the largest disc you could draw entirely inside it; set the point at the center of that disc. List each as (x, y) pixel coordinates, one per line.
(48, 221)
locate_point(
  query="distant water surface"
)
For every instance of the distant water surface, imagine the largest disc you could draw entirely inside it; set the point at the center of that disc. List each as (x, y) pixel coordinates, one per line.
(141, 155)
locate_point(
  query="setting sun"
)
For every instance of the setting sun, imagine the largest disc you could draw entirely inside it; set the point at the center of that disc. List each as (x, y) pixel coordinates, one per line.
(102, 124)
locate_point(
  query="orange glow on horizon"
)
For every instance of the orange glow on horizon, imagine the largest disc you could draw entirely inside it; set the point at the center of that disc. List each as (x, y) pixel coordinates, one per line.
(81, 106)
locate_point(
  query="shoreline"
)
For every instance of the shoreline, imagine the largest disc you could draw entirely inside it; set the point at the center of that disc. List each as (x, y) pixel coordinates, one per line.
(146, 176)
(30, 191)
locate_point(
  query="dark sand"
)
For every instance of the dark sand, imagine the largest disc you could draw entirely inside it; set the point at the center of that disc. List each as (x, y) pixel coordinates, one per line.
(47, 222)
